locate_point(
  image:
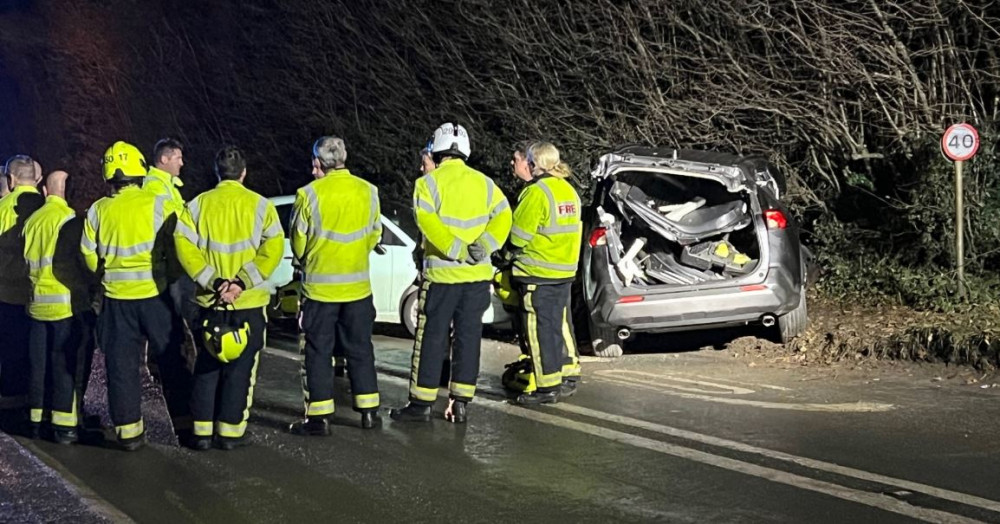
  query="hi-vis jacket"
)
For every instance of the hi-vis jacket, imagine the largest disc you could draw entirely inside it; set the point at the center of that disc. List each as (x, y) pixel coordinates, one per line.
(230, 232)
(15, 208)
(59, 279)
(547, 231)
(336, 222)
(455, 206)
(159, 182)
(129, 232)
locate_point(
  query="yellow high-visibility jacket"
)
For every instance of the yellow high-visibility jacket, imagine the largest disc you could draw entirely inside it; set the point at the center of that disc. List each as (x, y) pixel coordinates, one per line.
(455, 206)
(59, 277)
(128, 236)
(226, 233)
(159, 182)
(547, 231)
(336, 222)
(15, 208)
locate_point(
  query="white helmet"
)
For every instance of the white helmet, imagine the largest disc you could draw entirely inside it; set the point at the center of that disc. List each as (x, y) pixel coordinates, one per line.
(451, 139)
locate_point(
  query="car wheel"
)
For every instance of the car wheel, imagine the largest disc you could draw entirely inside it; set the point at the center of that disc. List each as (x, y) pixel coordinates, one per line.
(408, 313)
(793, 323)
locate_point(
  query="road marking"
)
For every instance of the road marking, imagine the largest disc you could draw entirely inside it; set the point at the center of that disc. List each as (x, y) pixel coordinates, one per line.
(752, 384)
(663, 380)
(851, 407)
(875, 500)
(962, 498)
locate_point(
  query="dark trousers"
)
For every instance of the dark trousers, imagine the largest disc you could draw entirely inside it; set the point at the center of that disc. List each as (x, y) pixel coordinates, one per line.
(223, 392)
(14, 328)
(328, 326)
(544, 313)
(122, 329)
(450, 320)
(571, 365)
(61, 352)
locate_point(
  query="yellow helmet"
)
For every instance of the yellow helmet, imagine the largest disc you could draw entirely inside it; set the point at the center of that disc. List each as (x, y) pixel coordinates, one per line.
(518, 376)
(123, 160)
(503, 288)
(225, 340)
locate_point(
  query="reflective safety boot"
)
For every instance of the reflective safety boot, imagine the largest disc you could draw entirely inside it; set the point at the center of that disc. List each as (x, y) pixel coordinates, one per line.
(537, 397)
(411, 413)
(458, 412)
(64, 435)
(312, 427)
(370, 419)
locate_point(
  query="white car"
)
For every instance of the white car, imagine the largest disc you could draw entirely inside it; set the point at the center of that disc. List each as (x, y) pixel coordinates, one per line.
(394, 274)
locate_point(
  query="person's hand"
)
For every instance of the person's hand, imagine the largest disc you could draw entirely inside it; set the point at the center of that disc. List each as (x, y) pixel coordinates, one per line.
(232, 293)
(477, 253)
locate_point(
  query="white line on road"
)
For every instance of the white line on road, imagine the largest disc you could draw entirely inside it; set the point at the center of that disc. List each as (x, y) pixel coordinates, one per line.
(665, 379)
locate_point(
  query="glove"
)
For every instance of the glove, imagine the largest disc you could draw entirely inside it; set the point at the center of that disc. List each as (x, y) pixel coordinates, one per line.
(477, 253)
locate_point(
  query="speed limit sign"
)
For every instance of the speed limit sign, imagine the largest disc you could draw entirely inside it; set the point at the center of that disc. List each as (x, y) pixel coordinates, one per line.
(960, 142)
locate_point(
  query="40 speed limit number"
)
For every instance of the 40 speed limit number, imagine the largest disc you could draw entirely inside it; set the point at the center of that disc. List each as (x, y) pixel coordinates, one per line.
(960, 142)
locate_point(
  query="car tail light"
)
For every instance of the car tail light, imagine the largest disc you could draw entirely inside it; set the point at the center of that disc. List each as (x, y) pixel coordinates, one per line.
(597, 237)
(755, 287)
(629, 299)
(775, 219)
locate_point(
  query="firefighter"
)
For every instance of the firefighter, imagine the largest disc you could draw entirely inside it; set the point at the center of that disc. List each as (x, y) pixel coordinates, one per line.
(463, 218)
(62, 320)
(229, 241)
(544, 247)
(336, 223)
(23, 176)
(128, 238)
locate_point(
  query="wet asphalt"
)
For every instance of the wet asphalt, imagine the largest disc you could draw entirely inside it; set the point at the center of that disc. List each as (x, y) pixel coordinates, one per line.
(656, 437)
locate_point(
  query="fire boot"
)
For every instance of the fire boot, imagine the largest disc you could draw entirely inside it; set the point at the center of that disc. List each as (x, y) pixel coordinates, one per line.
(411, 413)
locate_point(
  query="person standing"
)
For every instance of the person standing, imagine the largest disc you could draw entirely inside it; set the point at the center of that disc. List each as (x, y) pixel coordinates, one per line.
(336, 223)
(23, 176)
(544, 247)
(463, 217)
(62, 318)
(229, 241)
(128, 238)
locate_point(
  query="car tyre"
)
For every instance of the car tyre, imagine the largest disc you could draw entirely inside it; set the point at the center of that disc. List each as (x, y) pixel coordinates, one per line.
(605, 343)
(793, 323)
(408, 313)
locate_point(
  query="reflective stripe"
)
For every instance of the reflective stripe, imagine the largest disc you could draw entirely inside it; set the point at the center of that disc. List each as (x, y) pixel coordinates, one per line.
(463, 390)
(129, 430)
(437, 263)
(313, 200)
(204, 277)
(491, 242)
(502, 206)
(425, 205)
(88, 244)
(203, 428)
(61, 418)
(273, 231)
(465, 224)
(373, 205)
(188, 233)
(255, 277)
(117, 276)
(93, 219)
(158, 213)
(552, 203)
(258, 224)
(300, 226)
(520, 233)
(229, 249)
(35, 415)
(345, 278)
(547, 265)
(345, 237)
(368, 401)
(37, 265)
(555, 230)
(324, 407)
(433, 188)
(51, 299)
(455, 250)
(128, 251)
(424, 394)
(227, 430)
(194, 207)
(489, 192)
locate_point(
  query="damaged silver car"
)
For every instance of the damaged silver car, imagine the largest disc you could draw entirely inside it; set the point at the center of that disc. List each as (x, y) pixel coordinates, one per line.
(680, 240)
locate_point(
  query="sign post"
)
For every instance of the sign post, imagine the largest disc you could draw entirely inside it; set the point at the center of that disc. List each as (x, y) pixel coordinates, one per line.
(960, 143)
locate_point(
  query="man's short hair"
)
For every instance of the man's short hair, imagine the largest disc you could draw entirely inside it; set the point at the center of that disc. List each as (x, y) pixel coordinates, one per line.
(230, 163)
(20, 167)
(330, 151)
(164, 146)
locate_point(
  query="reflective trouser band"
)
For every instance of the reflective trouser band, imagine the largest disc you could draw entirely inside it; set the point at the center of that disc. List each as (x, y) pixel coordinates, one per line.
(129, 430)
(571, 370)
(203, 428)
(323, 407)
(462, 390)
(35, 415)
(423, 394)
(61, 418)
(230, 430)
(367, 401)
(541, 380)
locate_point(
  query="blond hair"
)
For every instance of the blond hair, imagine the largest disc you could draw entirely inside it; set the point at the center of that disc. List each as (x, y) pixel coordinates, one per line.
(544, 157)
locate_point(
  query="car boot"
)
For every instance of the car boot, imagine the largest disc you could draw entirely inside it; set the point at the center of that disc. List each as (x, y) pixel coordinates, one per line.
(370, 419)
(537, 397)
(456, 413)
(567, 388)
(65, 435)
(200, 442)
(411, 413)
(311, 426)
(231, 443)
